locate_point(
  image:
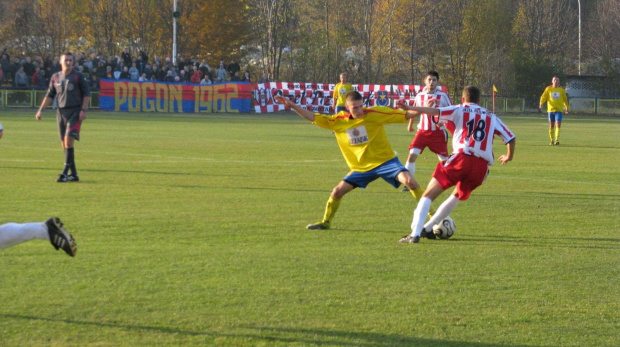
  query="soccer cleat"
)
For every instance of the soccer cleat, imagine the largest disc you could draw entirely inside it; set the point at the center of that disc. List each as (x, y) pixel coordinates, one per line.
(318, 226)
(62, 178)
(405, 189)
(73, 178)
(428, 234)
(59, 237)
(557, 143)
(550, 143)
(409, 239)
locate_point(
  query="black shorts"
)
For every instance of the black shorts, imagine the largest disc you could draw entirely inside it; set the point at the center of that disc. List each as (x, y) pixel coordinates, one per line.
(69, 123)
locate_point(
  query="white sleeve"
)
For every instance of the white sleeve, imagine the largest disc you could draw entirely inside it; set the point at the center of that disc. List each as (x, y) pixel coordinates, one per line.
(448, 113)
(502, 130)
(445, 100)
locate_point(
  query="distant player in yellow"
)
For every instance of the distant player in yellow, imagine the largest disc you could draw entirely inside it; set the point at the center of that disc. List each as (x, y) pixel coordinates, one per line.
(340, 92)
(364, 144)
(557, 102)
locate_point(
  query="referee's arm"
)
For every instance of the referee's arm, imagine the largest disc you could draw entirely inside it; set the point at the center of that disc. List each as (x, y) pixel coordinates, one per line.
(85, 103)
(46, 102)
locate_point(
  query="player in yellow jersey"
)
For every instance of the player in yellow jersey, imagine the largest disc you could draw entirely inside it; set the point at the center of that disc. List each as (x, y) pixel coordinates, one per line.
(364, 144)
(556, 100)
(340, 92)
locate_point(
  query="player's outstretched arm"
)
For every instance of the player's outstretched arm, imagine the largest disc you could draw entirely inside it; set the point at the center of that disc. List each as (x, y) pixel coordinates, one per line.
(309, 115)
(414, 111)
(510, 147)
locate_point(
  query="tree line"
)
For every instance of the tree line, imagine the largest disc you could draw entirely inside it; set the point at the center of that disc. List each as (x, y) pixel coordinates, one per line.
(516, 45)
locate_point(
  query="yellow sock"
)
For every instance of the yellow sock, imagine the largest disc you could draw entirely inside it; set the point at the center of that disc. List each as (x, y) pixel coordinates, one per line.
(417, 194)
(557, 134)
(330, 209)
(551, 134)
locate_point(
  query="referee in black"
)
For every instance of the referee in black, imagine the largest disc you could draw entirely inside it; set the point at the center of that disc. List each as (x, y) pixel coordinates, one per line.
(73, 93)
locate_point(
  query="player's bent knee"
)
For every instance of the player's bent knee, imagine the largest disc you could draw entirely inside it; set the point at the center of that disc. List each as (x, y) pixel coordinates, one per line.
(339, 191)
(411, 183)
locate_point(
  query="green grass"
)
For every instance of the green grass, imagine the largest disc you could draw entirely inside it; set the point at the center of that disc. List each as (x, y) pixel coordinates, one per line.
(190, 231)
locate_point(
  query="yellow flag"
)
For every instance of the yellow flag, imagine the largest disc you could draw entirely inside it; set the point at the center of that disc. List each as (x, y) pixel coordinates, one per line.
(495, 89)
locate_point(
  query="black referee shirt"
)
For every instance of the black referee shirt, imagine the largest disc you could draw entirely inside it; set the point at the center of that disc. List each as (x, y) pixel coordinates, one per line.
(70, 89)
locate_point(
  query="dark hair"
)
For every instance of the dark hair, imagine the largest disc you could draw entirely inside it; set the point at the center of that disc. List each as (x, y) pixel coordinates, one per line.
(471, 94)
(354, 95)
(433, 73)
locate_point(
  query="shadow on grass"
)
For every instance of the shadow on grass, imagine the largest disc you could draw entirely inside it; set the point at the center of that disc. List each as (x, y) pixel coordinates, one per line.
(522, 241)
(544, 238)
(348, 338)
(283, 335)
(112, 171)
(544, 242)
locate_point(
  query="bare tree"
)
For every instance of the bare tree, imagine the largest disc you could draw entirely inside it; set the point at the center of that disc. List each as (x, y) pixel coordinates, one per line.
(604, 35)
(544, 27)
(105, 20)
(39, 27)
(274, 27)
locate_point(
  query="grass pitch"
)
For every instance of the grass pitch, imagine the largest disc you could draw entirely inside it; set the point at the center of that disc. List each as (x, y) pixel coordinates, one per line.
(190, 231)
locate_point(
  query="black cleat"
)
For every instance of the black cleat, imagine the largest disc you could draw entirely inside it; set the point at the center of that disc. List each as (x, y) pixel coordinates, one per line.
(428, 234)
(556, 143)
(63, 178)
(59, 237)
(73, 178)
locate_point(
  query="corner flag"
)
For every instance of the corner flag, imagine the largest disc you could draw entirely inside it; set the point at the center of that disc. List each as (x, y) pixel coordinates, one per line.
(494, 91)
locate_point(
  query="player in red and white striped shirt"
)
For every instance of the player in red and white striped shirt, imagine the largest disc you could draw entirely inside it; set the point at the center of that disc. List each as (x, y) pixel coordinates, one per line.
(467, 167)
(429, 134)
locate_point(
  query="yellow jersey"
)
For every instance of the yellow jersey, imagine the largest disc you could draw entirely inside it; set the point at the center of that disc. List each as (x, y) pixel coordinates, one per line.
(363, 142)
(555, 99)
(340, 92)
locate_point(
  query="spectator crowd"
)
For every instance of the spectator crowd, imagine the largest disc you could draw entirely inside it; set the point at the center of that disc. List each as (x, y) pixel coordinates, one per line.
(35, 72)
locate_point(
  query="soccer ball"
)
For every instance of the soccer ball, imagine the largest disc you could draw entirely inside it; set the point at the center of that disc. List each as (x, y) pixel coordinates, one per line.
(445, 229)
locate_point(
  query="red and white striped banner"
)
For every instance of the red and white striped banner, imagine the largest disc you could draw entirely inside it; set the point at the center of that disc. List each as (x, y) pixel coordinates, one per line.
(374, 94)
(406, 92)
(317, 97)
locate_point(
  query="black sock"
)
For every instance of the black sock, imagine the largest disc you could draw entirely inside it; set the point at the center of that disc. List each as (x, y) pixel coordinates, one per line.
(71, 160)
(67, 165)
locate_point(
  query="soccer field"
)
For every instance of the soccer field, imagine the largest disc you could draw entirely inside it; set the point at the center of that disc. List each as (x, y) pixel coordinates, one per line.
(191, 231)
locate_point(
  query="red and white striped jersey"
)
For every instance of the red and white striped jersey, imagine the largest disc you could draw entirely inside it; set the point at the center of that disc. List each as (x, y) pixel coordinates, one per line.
(426, 121)
(474, 129)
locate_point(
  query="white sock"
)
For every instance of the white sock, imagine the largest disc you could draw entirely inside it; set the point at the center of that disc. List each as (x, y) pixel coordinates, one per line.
(442, 212)
(410, 167)
(12, 234)
(419, 216)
